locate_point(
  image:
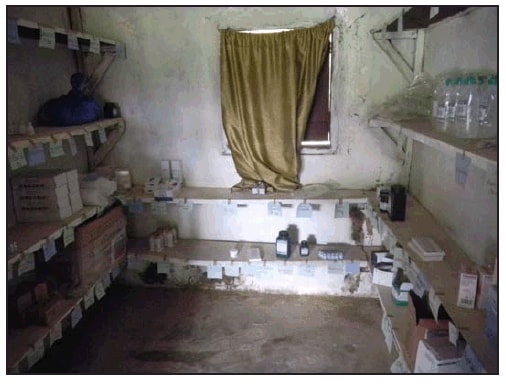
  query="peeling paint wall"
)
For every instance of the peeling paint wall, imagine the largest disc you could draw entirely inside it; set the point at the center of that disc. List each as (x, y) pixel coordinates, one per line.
(469, 212)
(169, 90)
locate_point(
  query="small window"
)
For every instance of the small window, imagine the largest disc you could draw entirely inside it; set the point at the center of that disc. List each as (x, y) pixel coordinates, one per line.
(317, 135)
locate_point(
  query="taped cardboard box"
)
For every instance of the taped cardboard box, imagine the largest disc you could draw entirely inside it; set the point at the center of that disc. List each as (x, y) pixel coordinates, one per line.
(439, 355)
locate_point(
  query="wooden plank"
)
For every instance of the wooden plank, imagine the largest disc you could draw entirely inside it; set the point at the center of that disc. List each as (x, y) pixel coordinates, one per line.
(419, 49)
(105, 148)
(396, 58)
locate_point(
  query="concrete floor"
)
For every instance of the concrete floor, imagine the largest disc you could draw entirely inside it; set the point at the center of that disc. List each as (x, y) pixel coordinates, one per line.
(137, 330)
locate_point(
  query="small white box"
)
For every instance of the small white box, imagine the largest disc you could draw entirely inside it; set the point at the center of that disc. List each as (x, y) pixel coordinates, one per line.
(381, 277)
(438, 355)
(485, 281)
(76, 202)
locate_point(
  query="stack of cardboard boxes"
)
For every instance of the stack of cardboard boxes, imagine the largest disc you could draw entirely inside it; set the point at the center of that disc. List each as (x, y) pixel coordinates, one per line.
(46, 195)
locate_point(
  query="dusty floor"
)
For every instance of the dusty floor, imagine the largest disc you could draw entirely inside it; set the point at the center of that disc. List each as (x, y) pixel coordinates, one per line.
(157, 330)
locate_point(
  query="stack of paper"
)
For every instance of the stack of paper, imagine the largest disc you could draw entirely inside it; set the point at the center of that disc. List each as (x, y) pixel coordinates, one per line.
(427, 249)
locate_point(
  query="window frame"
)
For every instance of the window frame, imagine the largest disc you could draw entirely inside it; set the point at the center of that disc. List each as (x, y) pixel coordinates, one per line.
(308, 147)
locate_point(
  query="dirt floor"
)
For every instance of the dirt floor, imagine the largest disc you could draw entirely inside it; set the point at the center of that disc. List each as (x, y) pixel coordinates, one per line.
(137, 330)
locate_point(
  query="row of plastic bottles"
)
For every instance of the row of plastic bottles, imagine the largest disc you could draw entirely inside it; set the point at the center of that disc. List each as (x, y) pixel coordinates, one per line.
(466, 105)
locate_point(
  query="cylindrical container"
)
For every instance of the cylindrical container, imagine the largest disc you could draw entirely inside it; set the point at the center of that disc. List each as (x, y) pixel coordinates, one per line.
(397, 208)
(283, 249)
(304, 248)
(123, 179)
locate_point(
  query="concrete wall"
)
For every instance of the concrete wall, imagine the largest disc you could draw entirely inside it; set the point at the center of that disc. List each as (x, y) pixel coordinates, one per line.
(169, 90)
(470, 212)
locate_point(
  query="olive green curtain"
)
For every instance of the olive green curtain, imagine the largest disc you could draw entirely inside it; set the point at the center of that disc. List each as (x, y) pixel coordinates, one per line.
(268, 82)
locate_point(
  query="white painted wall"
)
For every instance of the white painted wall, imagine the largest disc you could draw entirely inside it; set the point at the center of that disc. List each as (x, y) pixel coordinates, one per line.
(168, 89)
(470, 213)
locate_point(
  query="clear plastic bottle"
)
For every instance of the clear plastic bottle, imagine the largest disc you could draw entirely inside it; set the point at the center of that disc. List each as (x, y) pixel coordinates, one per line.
(469, 123)
(487, 110)
(461, 99)
(438, 104)
(450, 101)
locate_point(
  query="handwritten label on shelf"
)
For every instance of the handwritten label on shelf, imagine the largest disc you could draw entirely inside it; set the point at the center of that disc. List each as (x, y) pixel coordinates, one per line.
(274, 209)
(250, 269)
(36, 353)
(232, 270)
(135, 207)
(55, 334)
(163, 267)
(12, 31)
(453, 333)
(49, 249)
(335, 267)
(214, 272)
(160, 208)
(68, 235)
(307, 270)
(72, 42)
(88, 139)
(462, 164)
(434, 303)
(47, 38)
(36, 155)
(102, 136)
(230, 208)
(17, 159)
(56, 149)
(94, 45)
(73, 147)
(26, 264)
(185, 207)
(89, 299)
(99, 290)
(286, 269)
(76, 315)
(386, 327)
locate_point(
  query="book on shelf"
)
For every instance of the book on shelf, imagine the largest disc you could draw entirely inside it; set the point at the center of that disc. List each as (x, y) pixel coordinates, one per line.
(427, 249)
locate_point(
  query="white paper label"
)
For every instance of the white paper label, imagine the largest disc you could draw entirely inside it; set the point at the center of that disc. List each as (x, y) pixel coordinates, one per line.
(68, 236)
(304, 210)
(73, 148)
(56, 149)
(453, 333)
(12, 31)
(163, 267)
(17, 159)
(88, 139)
(214, 272)
(94, 45)
(36, 354)
(434, 303)
(26, 264)
(335, 267)
(36, 155)
(307, 270)
(286, 269)
(386, 327)
(72, 42)
(76, 315)
(89, 299)
(55, 334)
(49, 249)
(274, 209)
(230, 208)
(250, 269)
(102, 136)
(47, 38)
(185, 207)
(232, 270)
(99, 290)
(160, 208)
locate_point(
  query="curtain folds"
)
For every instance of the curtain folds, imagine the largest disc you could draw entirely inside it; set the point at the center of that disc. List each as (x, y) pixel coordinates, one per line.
(268, 82)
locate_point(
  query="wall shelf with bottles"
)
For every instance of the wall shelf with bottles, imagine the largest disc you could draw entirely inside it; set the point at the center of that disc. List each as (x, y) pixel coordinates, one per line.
(483, 152)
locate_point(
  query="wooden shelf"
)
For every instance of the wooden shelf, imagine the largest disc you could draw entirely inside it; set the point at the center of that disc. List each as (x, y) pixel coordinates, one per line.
(203, 195)
(30, 237)
(49, 134)
(483, 152)
(21, 342)
(443, 276)
(28, 29)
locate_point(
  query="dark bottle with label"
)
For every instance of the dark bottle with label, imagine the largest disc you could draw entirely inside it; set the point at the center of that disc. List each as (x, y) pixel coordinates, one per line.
(397, 211)
(283, 249)
(304, 248)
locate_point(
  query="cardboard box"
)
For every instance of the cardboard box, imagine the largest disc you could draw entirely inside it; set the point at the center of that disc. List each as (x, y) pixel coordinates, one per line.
(438, 355)
(75, 201)
(421, 325)
(40, 179)
(467, 287)
(485, 281)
